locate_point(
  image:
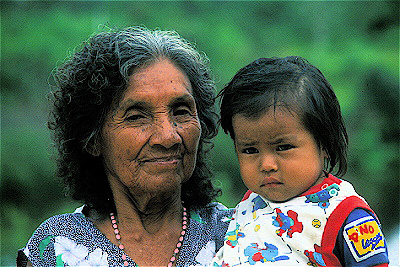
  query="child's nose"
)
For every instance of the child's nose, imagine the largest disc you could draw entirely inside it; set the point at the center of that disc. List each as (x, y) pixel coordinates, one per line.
(268, 163)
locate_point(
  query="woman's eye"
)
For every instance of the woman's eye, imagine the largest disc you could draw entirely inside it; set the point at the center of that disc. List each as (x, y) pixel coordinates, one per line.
(284, 147)
(250, 150)
(134, 117)
(182, 112)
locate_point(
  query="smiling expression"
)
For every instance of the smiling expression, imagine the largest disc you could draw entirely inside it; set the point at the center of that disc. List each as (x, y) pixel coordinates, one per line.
(149, 141)
(279, 159)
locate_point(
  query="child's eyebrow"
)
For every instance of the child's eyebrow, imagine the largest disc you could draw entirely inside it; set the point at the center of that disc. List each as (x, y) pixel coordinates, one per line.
(274, 141)
(284, 139)
(246, 143)
(278, 141)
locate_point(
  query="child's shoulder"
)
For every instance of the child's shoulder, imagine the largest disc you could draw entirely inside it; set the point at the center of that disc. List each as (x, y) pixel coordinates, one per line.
(362, 240)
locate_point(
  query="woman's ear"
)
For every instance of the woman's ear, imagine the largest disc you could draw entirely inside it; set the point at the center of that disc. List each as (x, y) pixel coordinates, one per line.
(93, 150)
(93, 147)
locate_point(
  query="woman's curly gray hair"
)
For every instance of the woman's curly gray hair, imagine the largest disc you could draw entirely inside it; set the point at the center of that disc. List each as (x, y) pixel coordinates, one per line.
(95, 77)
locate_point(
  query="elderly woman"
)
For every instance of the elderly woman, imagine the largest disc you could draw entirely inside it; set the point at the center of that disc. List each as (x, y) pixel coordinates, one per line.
(133, 118)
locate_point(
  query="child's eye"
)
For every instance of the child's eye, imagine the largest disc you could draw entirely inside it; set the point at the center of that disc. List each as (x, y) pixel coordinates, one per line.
(250, 150)
(284, 147)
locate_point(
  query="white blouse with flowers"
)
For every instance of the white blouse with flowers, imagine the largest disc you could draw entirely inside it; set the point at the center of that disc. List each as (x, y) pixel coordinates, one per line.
(72, 240)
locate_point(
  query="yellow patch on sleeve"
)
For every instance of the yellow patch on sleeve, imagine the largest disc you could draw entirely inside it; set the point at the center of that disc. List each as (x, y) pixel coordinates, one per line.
(364, 238)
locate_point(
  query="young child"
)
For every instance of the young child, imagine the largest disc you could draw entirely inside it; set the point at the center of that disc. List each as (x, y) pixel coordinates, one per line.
(289, 137)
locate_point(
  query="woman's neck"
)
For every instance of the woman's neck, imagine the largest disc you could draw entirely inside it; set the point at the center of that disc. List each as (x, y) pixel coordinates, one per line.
(144, 208)
(148, 213)
(149, 229)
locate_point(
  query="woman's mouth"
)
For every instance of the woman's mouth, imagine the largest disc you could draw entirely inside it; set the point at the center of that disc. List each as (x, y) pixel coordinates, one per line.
(163, 160)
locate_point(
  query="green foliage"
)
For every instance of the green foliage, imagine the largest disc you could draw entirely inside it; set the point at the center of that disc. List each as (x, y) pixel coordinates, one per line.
(354, 43)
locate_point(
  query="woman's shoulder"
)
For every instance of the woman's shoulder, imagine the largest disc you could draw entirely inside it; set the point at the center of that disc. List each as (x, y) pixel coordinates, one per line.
(206, 233)
(213, 209)
(68, 225)
(61, 222)
(58, 234)
(214, 213)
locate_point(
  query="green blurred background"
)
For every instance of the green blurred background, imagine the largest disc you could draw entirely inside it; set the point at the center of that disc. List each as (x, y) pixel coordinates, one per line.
(354, 43)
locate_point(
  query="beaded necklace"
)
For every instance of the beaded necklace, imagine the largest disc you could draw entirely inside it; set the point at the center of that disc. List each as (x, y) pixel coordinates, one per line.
(178, 245)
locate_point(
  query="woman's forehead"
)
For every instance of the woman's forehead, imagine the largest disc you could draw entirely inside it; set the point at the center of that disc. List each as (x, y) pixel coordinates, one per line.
(157, 72)
(159, 80)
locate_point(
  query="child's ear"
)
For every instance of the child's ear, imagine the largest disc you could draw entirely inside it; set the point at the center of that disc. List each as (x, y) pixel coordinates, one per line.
(326, 159)
(324, 153)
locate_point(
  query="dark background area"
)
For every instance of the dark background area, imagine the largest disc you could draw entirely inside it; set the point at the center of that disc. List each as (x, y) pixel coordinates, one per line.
(354, 43)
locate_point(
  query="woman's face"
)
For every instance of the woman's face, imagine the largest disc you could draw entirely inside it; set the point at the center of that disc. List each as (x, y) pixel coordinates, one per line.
(149, 141)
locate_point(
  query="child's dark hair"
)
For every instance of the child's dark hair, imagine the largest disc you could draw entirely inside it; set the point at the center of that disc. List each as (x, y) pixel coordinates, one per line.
(293, 83)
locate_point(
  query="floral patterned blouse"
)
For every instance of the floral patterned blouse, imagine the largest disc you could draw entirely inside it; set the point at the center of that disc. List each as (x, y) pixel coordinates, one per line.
(72, 240)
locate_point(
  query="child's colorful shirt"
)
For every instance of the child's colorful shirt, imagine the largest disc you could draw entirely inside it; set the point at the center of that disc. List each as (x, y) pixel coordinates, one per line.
(304, 230)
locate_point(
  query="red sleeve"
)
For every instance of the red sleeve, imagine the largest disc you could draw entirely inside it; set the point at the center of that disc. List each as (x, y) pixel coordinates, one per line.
(246, 195)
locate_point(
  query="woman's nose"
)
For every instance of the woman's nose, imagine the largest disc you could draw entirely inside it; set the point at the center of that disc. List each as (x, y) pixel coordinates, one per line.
(268, 163)
(165, 133)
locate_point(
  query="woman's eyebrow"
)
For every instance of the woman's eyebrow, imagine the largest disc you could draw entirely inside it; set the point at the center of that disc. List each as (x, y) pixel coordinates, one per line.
(185, 99)
(133, 104)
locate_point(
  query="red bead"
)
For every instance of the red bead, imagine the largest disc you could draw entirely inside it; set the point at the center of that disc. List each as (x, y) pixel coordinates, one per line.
(123, 256)
(126, 263)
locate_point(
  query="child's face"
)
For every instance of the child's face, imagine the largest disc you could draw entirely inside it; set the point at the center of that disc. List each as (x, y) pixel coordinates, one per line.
(279, 159)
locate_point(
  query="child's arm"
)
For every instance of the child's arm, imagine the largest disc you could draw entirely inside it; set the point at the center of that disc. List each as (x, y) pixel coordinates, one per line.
(360, 241)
